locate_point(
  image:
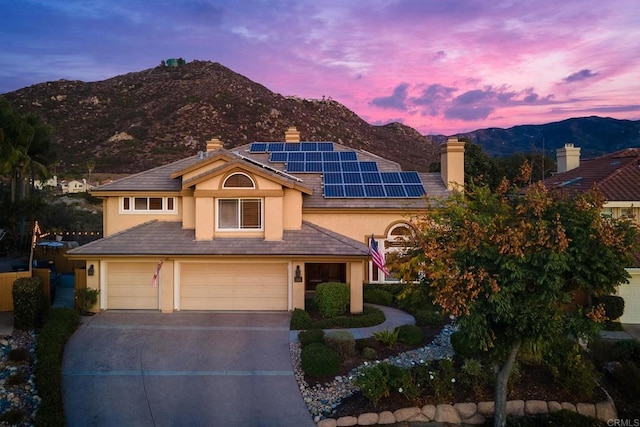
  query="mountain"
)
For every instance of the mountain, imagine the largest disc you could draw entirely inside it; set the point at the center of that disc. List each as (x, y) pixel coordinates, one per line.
(594, 135)
(144, 119)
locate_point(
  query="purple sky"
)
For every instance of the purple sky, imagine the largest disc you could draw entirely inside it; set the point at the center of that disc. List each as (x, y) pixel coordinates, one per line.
(440, 66)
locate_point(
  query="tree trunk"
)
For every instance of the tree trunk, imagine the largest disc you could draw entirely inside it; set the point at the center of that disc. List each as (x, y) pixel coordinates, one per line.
(502, 378)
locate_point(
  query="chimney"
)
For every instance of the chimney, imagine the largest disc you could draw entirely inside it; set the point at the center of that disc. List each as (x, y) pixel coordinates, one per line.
(292, 135)
(567, 158)
(214, 144)
(452, 164)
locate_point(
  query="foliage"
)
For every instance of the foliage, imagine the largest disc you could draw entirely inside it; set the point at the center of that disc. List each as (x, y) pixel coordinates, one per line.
(87, 298)
(332, 298)
(429, 318)
(507, 262)
(627, 376)
(475, 376)
(58, 327)
(376, 382)
(572, 369)
(369, 353)
(342, 342)
(319, 360)
(387, 337)
(29, 303)
(613, 305)
(300, 319)
(462, 345)
(410, 334)
(311, 336)
(370, 316)
(377, 296)
(443, 381)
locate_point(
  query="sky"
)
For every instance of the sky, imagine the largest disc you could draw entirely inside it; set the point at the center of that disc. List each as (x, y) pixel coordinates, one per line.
(439, 66)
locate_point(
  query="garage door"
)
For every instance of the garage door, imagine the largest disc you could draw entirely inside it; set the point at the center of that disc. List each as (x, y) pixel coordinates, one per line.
(233, 286)
(129, 286)
(631, 294)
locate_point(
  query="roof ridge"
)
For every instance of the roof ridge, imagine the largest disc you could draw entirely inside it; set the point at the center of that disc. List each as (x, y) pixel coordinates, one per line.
(126, 230)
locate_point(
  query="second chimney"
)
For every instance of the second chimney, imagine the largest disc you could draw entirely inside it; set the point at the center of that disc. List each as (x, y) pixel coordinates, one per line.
(567, 157)
(214, 144)
(452, 164)
(292, 135)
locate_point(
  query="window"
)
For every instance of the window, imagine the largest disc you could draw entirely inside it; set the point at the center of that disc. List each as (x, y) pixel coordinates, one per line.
(148, 205)
(238, 180)
(240, 214)
(394, 242)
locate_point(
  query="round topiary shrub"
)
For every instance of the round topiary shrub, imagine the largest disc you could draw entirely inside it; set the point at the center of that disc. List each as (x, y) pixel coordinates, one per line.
(332, 298)
(311, 336)
(410, 334)
(318, 360)
(300, 319)
(373, 295)
(613, 305)
(342, 342)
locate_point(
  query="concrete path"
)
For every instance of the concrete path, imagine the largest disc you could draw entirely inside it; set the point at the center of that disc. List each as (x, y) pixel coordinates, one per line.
(124, 368)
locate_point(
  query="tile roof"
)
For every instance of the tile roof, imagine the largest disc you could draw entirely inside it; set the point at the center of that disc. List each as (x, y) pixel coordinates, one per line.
(617, 175)
(163, 238)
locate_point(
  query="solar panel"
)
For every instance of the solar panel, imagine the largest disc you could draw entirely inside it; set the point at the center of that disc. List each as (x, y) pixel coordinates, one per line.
(371, 177)
(331, 167)
(348, 155)
(308, 146)
(325, 146)
(390, 177)
(258, 147)
(313, 156)
(394, 190)
(278, 156)
(291, 146)
(333, 178)
(368, 166)
(295, 167)
(313, 167)
(350, 166)
(374, 190)
(410, 177)
(352, 178)
(414, 190)
(353, 190)
(333, 191)
(296, 157)
(275, 146)
(331, 156)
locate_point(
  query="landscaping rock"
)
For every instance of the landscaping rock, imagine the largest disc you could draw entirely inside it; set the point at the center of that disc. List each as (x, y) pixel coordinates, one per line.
(387, 417)
(406, 414)
(466, 410)
(368, 419)
(346, 421)
(568, 406)
(477, 419)
(606, 411)
(515, 408)
(447, 414)
(554, 406)
(327, 422)
(588, 409)
(429, 411)
(533, 407)
(486, 408)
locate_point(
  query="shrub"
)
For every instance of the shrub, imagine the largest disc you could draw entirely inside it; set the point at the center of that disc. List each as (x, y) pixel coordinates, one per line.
(369, 353)
(59, 325)
(410, 334)
(342, 342)
(429, 318)
(318, 360)
(87, 298)
(377, 296)
(574, 371)
(332, 298)
(311, 336)
(613, 305)
(443, 381)
(18, 355)
(300, 319)
(462, 345)
(370, 316)
(474, 376)
(377, 381)
(626, 350)
(29, 303)
(387, 337)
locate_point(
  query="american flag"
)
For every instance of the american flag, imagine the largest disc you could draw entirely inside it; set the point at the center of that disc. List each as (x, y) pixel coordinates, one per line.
(376, 256)
(154, 281)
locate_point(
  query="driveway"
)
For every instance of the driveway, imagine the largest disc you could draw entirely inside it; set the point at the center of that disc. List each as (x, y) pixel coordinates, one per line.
(125, 368)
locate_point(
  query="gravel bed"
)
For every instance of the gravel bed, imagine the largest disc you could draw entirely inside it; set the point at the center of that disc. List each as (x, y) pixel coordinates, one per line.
(18, 394)
(323, 399)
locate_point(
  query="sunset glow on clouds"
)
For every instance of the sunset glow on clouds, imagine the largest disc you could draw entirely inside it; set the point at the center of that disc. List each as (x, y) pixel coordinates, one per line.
(440, 66)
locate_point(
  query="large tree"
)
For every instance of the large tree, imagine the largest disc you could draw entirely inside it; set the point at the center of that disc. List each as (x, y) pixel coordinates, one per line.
(507, 263)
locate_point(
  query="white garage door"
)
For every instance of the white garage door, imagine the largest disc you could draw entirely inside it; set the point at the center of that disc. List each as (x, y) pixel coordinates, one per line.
(631, 294)
(129, 286)
(233, 286)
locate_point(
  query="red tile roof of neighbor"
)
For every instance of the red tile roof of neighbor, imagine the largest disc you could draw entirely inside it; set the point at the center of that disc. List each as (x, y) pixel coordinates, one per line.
(617, 175)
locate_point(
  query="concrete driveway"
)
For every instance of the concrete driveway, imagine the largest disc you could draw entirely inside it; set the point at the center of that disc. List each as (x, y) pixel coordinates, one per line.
(125, 368)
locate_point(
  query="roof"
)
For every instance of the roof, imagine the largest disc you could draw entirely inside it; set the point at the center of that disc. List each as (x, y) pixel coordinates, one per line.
(617, 176)
(162, 238)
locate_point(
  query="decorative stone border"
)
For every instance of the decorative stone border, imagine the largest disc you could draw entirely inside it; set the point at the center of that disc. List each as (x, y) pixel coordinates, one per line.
(471, 413)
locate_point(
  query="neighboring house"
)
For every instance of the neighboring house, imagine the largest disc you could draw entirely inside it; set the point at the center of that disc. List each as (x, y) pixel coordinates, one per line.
(255, 227)
(74, 186)
(617, 176)
(51, 182)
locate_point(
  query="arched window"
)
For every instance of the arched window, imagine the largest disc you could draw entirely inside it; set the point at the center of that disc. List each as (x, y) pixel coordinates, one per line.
(393, 242)
(238, 180)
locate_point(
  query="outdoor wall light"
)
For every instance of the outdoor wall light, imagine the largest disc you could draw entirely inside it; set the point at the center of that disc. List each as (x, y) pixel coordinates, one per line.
(298, 276)
(91, 270)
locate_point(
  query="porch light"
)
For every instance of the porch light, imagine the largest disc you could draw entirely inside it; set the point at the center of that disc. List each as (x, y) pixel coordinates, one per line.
(91, 270)
(298, 276)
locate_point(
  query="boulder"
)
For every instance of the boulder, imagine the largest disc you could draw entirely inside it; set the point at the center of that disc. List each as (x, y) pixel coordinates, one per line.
(606, 411)
(588, 409)
(406, 414)
(466, 410)
(386, 417)
(515, 408)
(486, 408)
(346, 421)
(447, 414)
(368, 419)
(429, 411)
(327, 422)
(554, 406)
(533, 407)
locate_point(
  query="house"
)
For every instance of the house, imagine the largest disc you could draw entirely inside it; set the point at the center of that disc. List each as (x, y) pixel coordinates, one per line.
(74, 186)
(255, 227)
(617, 176)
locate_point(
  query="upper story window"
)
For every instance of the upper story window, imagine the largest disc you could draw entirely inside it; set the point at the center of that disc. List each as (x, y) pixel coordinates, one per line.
(238, 180)
(239, 214)
(394, 242)
(148, 205)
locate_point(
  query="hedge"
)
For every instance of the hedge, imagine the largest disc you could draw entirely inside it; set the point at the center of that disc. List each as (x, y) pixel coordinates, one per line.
(29, 303)
(332, 298)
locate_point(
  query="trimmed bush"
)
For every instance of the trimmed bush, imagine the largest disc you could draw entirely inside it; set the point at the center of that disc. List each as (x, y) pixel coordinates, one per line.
(318, 360)
(369, 353)
(311, 336)
(377, 381)
(332, 298)
(370, 316)
(342, 342)
(429, 318)
(59, 325)
(300, 319)
(29, 303)
(613, 305)
(377, 296)
(410, 334)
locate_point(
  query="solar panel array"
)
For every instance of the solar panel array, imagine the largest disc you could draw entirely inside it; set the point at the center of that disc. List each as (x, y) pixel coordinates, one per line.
(343, 175)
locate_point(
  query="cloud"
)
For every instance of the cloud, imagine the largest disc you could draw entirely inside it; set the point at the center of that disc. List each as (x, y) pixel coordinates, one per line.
(396, 101)
(580, 76)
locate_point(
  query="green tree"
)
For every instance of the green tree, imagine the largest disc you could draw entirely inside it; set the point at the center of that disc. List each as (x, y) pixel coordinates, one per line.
(507, 264)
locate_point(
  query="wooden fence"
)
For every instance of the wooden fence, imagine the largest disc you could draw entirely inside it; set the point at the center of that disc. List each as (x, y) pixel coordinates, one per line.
(6, 287)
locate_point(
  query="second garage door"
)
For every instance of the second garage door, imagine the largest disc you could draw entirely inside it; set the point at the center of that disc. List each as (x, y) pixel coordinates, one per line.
(208, 286)
(129, 286)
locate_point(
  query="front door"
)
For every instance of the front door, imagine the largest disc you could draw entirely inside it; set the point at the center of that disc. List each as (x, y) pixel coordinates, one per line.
(316, 273)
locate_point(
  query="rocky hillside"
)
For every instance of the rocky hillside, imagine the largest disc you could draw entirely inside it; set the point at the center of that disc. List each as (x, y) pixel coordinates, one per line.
(145, 119)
